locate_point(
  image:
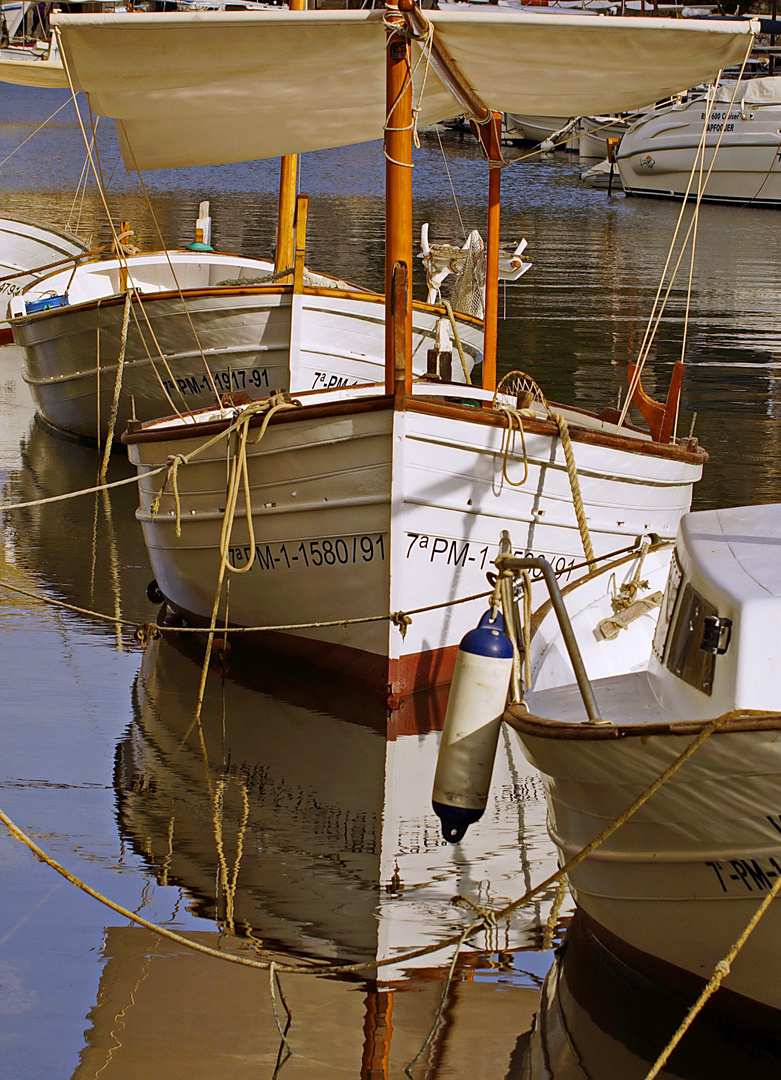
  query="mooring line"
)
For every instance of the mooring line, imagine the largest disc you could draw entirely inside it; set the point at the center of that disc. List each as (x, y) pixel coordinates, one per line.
(486, 918)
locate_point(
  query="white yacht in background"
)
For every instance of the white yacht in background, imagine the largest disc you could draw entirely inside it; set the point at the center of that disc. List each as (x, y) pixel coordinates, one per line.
(656, 156)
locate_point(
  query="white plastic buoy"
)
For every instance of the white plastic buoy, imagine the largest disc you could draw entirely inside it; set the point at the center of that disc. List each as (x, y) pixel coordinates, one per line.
(478, 695)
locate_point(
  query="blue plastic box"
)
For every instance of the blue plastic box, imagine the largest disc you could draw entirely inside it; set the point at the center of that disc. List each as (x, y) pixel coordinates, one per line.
(32, 307)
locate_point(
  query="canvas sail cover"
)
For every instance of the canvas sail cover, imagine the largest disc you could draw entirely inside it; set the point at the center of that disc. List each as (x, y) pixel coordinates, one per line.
(202, 88)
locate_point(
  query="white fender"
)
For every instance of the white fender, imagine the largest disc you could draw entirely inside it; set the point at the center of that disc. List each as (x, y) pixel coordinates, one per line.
(478, 695)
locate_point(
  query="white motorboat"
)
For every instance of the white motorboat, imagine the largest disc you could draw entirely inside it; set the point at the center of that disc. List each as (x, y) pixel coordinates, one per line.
(28, 250)
(674, 887)
(202, 324)
(586, 136)
(599, 1018)
(657, 155)
(368, 503)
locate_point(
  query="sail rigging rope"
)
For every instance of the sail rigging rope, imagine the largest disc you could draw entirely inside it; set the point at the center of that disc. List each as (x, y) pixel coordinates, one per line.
(34, 133)
(654, 319)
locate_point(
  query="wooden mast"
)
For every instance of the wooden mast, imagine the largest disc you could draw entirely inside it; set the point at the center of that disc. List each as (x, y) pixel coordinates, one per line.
(487, 127)
(490, 138)
(398, 201)
(288, 178)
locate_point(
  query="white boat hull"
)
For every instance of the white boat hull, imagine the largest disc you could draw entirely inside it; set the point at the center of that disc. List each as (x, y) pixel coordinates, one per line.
(252, 338)
(681, 880)
(26, 250)
(361, 509)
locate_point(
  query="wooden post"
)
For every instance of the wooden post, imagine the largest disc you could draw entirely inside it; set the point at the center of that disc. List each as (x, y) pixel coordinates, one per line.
(490, 138)
(398, 197)
(302, 212)
(400, 304)
(288, 182)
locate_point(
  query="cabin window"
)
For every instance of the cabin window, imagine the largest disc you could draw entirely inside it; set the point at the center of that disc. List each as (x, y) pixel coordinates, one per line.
(685, 658)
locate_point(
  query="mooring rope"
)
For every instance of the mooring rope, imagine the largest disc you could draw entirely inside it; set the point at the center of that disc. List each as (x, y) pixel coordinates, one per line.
(112, 422)
(486, 917)
(574, 483)
(457, 338)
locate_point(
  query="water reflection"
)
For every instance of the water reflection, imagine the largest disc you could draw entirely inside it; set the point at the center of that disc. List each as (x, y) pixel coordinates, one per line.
(311, 831)
(600, 1020)
(296, 817)
(88, 551)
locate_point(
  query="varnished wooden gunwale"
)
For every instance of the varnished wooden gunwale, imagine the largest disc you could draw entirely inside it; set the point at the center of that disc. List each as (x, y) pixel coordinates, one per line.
(273, 288)
(541, 727)
(149, 433)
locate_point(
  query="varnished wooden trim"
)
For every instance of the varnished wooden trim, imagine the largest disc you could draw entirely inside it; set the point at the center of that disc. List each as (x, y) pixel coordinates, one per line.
(540, 727)
(148, 432)
(151, 433)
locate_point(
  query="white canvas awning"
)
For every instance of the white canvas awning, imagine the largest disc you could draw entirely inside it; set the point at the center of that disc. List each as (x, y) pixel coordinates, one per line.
(201, 88)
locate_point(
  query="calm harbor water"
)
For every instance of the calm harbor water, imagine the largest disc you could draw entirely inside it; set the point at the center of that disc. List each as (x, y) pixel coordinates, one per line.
(290, 821)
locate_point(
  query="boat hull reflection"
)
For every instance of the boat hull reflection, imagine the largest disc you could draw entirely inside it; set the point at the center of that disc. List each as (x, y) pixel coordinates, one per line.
(599, 1018)
(309, 832)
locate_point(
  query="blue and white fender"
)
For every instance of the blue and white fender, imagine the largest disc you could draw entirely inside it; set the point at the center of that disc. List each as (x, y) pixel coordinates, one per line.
(478, 695)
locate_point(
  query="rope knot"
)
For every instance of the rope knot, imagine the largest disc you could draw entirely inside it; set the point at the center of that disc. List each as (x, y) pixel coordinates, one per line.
(401, 621)
(146, 632)
(173, 462)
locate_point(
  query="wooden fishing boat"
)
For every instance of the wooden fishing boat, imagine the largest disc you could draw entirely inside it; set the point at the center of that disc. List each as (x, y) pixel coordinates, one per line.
(28, 250)
(201, 324)
(742, 143)
(368, 503)
(674, 887)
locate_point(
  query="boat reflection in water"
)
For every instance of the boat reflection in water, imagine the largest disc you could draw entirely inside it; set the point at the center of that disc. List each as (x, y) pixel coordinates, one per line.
(86, 551)
(300, 823)
(600, 1020)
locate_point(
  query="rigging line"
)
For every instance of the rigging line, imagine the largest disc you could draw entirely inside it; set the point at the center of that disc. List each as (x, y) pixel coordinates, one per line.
(651, 326)
(450, 181)
(121, 257)
(152, 363)
(82, 180)
(170, 266)
(641, 362)
(34, 133)
(120, 254)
